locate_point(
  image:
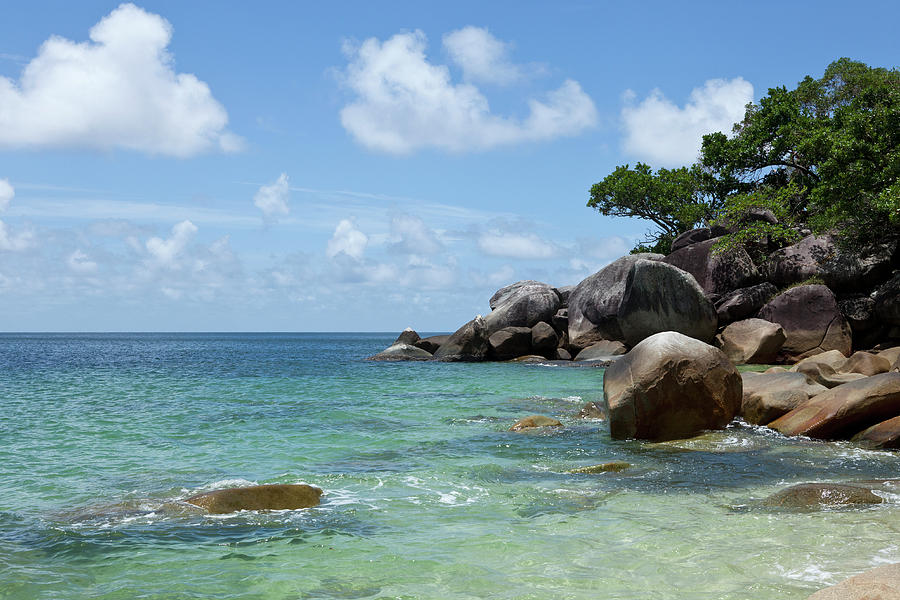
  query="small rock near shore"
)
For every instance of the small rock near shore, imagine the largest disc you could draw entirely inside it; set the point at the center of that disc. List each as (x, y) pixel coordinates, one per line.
(258, 497)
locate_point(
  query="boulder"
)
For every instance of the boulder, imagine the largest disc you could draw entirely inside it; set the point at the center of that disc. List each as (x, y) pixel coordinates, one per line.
(846, 410)
(510, 342)
(887, 301)
(811, 319)
(564, 293)
(832, 358)
(852, 270)
(817, 495)
(431, 343)
(881, 435)
(522, 304)
(767, 396)
(744, 302)
(469, 343)
(563, 354)
(860, 314)
(258, 497)
(692, 236)
(823, 374)
(752, 341)
(398, 352)
(604, 350)
(801, 261)
(659, 297)
(528, 358)
(534, 422)
(891, 354)
(615, 466)
(670, 386)
(866, 363)
(592, 410)
(544, 339)
(717, 273)
(594, 303)
(408, 336)
(880, 583)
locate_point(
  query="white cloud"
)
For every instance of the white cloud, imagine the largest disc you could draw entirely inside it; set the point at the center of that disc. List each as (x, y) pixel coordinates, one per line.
(7, 193)
(165, 252)
(347, 239)
(118, 90)
(272, 199)
(481, 56)
(14, 242)
(660, 132)
(79, 262)
(412, 236)
(405, 103)
(516, 245)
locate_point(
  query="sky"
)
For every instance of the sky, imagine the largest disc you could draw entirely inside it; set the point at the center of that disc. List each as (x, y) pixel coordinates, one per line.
(356, 166)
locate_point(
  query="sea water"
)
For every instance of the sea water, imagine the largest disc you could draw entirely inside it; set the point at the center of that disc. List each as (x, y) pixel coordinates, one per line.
(426, 493)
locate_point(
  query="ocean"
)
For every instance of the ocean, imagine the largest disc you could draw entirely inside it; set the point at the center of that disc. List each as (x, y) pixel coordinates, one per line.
(426, 493)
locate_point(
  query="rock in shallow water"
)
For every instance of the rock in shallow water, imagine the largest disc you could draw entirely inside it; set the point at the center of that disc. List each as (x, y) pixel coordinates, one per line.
(258, 497)
(670, 386)
(534, 422)
(615, 466)
(880, 583)
(817, 495)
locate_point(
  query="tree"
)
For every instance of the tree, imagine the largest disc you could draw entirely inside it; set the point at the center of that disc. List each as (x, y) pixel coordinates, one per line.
(825, 155)
(675, 200)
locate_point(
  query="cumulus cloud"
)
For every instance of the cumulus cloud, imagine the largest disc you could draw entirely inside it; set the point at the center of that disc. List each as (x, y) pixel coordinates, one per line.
(80, 262)
(164, 253)
(7, 193)
(667, 135)
(516, 245)
(405, 103)
(412, 236)
(272, 199)
(481, 56)
(347, 240)
(15, 242)
(119, 90)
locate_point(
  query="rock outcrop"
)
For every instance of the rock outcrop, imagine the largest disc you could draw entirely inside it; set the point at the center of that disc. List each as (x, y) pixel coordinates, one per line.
(659, 297)
(811, 319)
(594, 303)
(522, 304)
(670, 386)
(258, 497)
(751, 341)
(469, 343)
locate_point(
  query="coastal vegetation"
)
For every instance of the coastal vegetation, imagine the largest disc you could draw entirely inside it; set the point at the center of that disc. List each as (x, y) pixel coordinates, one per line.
(823, 155)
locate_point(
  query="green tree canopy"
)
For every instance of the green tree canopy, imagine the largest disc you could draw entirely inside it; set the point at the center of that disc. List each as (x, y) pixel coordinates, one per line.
(826, 154)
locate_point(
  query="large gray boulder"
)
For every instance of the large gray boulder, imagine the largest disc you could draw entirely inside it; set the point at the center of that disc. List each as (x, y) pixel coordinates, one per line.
(544, 340)
(594, 303)
(767, 396)
(522, 304)
(717, 273)
(670, 386)
(469, 343)
(800, 261)
(751, 341)
(811, 320)
(659, 297)
(744, 302)
(510, 342)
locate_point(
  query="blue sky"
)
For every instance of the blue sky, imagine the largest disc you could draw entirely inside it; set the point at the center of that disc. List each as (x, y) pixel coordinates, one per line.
(205, 166)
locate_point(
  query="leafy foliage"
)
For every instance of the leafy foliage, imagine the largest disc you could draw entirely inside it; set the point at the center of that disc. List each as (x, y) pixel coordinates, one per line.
(826, 155)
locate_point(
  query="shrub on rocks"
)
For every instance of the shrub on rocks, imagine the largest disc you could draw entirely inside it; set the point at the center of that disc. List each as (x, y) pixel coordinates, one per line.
(670, 386)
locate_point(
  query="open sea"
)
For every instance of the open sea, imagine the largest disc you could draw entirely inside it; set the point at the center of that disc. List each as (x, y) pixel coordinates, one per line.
(426, 493)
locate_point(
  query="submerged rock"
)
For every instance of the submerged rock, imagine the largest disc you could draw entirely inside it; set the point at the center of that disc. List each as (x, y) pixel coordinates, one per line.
(817, 495)
(534, 422)
(670, 386)
(258, 497)
(592, 410)
(880, 583)
(615, 466)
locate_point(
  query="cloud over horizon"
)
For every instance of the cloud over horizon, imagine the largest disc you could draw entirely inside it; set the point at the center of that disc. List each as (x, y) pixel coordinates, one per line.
(117, 91)
(660, 132)
(403, 102)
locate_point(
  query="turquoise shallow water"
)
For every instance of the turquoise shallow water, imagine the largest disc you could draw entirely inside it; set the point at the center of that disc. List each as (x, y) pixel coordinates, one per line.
(426, 494)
